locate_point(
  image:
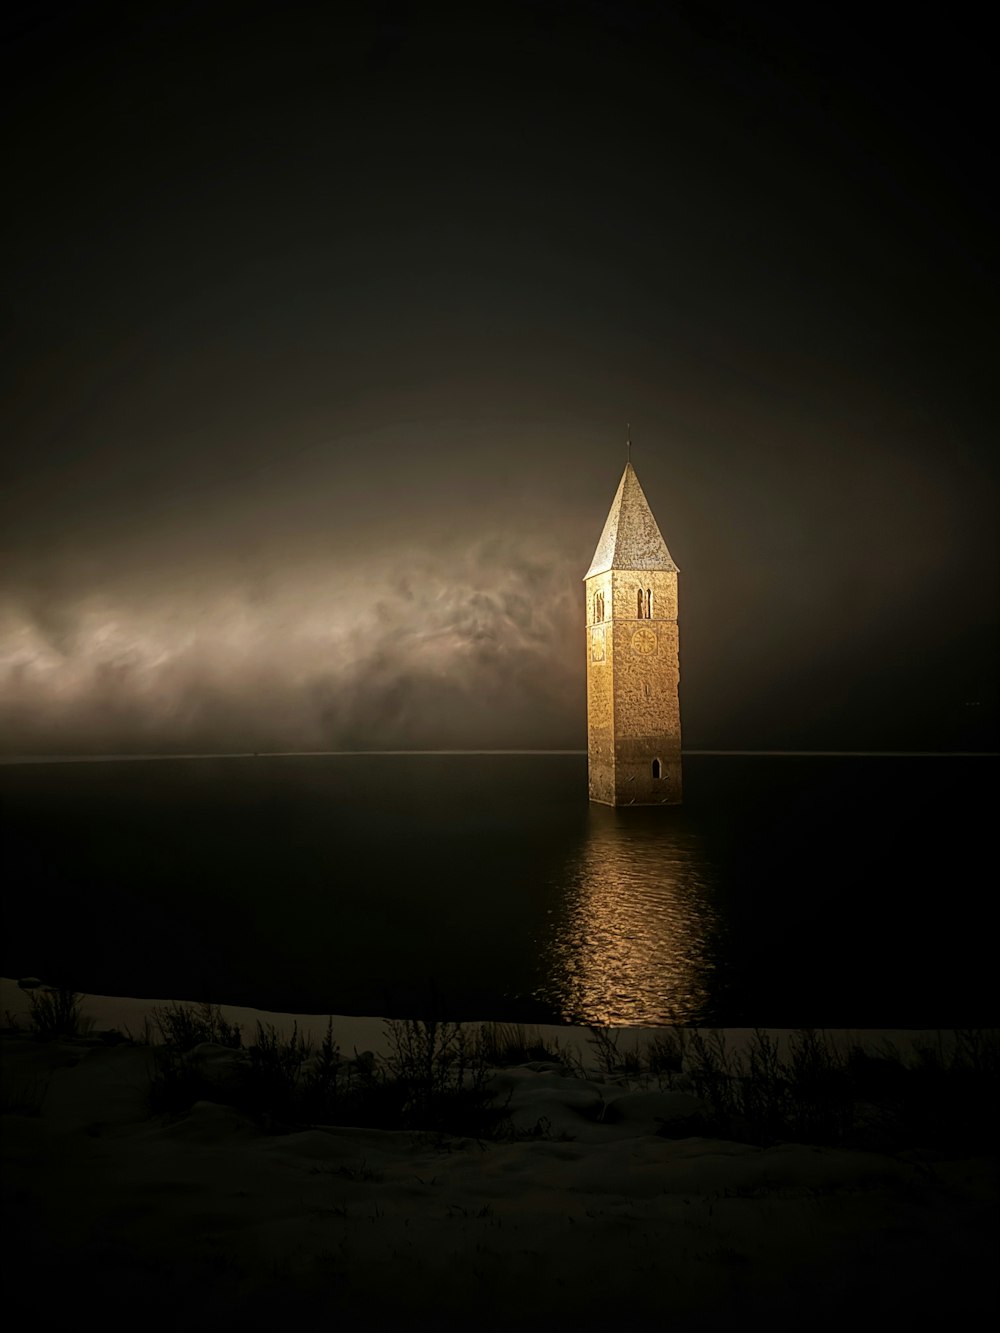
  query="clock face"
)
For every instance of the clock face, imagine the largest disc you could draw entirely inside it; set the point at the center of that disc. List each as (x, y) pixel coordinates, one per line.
(644, 642)
(597, 644)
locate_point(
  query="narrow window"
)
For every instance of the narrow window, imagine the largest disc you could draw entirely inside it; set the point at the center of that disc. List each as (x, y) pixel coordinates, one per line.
(649, 604)
(656, 762)
(600, 606)
(639, 605)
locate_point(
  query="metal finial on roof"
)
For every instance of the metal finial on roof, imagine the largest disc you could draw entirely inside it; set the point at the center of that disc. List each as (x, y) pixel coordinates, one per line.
(628, 442)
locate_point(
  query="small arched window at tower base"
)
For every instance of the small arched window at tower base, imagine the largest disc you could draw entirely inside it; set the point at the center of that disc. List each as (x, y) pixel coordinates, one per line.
(657, 769)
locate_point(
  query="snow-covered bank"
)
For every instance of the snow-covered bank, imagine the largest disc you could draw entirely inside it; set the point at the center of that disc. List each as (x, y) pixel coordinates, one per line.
(129, 1016)
(201, 1220)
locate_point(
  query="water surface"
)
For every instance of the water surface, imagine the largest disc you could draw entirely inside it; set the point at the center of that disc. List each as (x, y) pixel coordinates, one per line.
(786, 891)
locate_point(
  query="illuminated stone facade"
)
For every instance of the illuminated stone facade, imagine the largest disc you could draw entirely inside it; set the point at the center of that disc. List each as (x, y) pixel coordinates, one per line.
(633, 663)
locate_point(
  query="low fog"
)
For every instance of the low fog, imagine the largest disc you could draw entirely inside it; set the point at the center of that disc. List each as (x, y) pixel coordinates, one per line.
(409, 649)
(375, 595)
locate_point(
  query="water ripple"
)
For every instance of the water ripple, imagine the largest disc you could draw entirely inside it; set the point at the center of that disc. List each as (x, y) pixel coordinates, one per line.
(633, 940)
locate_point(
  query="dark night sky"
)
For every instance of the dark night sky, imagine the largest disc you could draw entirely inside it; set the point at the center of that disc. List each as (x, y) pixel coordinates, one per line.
(323, 323)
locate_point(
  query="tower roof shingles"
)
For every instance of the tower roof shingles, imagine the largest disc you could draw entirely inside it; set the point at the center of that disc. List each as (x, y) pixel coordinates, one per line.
(631, 539)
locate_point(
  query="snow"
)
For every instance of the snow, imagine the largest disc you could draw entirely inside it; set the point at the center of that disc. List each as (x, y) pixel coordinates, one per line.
(201, 1220)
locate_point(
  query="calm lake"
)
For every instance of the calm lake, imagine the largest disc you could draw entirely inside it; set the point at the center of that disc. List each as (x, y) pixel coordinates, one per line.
(826, 892)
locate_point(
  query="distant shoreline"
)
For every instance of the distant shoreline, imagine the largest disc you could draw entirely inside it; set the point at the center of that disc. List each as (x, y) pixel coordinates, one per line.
(15, 759)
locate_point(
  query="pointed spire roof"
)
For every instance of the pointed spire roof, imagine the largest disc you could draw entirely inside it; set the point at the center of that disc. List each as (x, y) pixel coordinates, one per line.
(631, 539)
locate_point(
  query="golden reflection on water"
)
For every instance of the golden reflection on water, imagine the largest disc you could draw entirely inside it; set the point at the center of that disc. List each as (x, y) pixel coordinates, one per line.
(631, 944)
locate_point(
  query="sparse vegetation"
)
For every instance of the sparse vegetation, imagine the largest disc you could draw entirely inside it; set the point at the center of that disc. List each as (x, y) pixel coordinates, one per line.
(436, 1078)
(182, 1026)
(615, 1063)
(433, 1079)
(946, 1099)
(505, 1044)
(665, 1054)
(56, 1012)
(273, 1077)
(174, 1031)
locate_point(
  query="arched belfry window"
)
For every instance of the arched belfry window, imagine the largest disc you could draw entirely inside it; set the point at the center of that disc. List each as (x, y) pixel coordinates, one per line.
(649, 604)
(639, 604)
(598, 606)
(656, 762)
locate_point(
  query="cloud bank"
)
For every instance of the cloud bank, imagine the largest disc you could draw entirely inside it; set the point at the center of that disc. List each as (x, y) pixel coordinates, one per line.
(415, 649)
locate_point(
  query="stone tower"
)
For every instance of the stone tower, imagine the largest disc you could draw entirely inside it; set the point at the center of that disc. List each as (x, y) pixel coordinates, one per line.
(633, 666)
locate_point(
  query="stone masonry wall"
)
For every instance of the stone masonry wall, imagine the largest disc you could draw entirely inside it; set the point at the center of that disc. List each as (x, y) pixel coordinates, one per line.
(633, 706)
(600, 694)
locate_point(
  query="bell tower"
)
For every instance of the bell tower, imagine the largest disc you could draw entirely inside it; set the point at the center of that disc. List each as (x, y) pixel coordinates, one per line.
(633, 664)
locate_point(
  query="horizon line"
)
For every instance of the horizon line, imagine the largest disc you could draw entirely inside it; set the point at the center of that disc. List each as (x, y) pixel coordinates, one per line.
(12, 760)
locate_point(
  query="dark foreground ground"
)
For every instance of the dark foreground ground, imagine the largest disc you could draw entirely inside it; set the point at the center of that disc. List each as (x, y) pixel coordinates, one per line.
(587, 1217)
